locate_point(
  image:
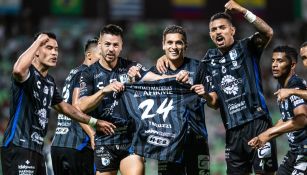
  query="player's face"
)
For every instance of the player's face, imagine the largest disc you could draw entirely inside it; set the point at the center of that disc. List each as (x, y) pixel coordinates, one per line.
(48, 53)
(174, 46)
(221, 33)
(281, 66)
(111, 47)
(303, 54)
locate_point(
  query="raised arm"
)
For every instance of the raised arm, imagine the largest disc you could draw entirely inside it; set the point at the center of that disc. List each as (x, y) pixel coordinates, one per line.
(265, 31)
(21, 66)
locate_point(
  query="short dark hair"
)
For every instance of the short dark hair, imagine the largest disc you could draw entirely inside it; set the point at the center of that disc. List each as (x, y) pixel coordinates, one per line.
(49, 34)
(304, 44)
(291, 53)
(175, 29)
(90, 43)
(112, 29)
(221, 15)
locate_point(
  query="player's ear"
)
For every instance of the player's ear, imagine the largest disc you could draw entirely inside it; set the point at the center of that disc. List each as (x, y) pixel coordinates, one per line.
(233, 30)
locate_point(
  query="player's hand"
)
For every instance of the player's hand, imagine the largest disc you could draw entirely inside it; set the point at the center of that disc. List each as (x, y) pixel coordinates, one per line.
(258, 141)
(42, 39)
(113, 87)
(162, 64)
(233, 6)
(105, 127)
(199, 89)
(282, 94)
(182, 76)
(133, 72)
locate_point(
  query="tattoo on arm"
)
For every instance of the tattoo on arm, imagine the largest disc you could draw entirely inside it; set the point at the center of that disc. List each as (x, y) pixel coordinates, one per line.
(265, 33)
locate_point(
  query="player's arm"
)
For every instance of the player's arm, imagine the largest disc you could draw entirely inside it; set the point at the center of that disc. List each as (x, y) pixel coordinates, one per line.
(299, 121)
(21, 66)
(282, 94)
(134, 71)
(89, 103)
(211, 98)
(88, 130)
(265, 31)
(75, 114)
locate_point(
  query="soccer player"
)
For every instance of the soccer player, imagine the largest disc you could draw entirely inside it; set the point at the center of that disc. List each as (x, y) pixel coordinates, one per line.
(33, 93)
(232, 71)
(293, 114)
(100, 86)
(73, 142)
(285, 93)
(196, 158)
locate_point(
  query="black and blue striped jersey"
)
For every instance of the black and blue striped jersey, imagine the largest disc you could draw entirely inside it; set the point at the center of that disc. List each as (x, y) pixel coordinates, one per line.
(160, 110)
(197, 118)
(236, 78)
(297, 139)
(69, 133)
(95, 78)
(29, 110)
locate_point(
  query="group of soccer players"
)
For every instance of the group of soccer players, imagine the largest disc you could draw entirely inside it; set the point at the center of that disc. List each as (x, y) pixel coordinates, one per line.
(228, 77)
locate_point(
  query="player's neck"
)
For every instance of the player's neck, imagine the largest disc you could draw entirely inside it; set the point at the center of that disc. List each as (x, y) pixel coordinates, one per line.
(285, 80)
(108, 65)
(175, 64)
(43, 70)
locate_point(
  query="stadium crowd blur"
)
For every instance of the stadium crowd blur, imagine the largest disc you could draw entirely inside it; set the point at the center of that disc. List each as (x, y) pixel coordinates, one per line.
(142, 43)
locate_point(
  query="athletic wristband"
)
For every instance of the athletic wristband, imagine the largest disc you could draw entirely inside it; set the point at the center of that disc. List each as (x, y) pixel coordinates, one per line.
(92, 122)
(249, 16)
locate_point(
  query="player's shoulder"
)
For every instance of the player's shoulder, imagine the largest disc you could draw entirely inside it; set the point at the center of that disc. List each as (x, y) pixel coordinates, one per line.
(297, 82)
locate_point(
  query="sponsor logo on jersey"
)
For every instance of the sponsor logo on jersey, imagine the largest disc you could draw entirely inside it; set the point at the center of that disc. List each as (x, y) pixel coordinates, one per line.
(158, 141)
(61, 130)
(26, 168)
(35, 137)
(230, 85)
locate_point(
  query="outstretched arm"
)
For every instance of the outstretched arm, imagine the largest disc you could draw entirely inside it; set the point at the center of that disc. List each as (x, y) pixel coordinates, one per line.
(21, 66)
(282, 94)
(89, 103)
(265, 31)
(298, 122)
(75, 114)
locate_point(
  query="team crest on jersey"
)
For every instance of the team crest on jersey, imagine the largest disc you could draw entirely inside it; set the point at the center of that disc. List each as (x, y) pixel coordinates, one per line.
(233, 54)
(105, 161)
(230, 85)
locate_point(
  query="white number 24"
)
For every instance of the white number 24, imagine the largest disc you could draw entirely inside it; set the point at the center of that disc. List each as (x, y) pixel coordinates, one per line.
(163, 109)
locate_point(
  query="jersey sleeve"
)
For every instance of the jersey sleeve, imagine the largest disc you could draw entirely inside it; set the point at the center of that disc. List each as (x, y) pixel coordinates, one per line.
(76, 80)
(57, 98)
(204, 77)
(86, 83)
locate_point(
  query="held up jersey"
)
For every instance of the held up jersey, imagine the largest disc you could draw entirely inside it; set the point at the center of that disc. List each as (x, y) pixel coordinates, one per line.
(69, 133)
(31, 101)
(235, 77)
(297, 139)
(95, 78)
(160, 110)
(197, 120)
